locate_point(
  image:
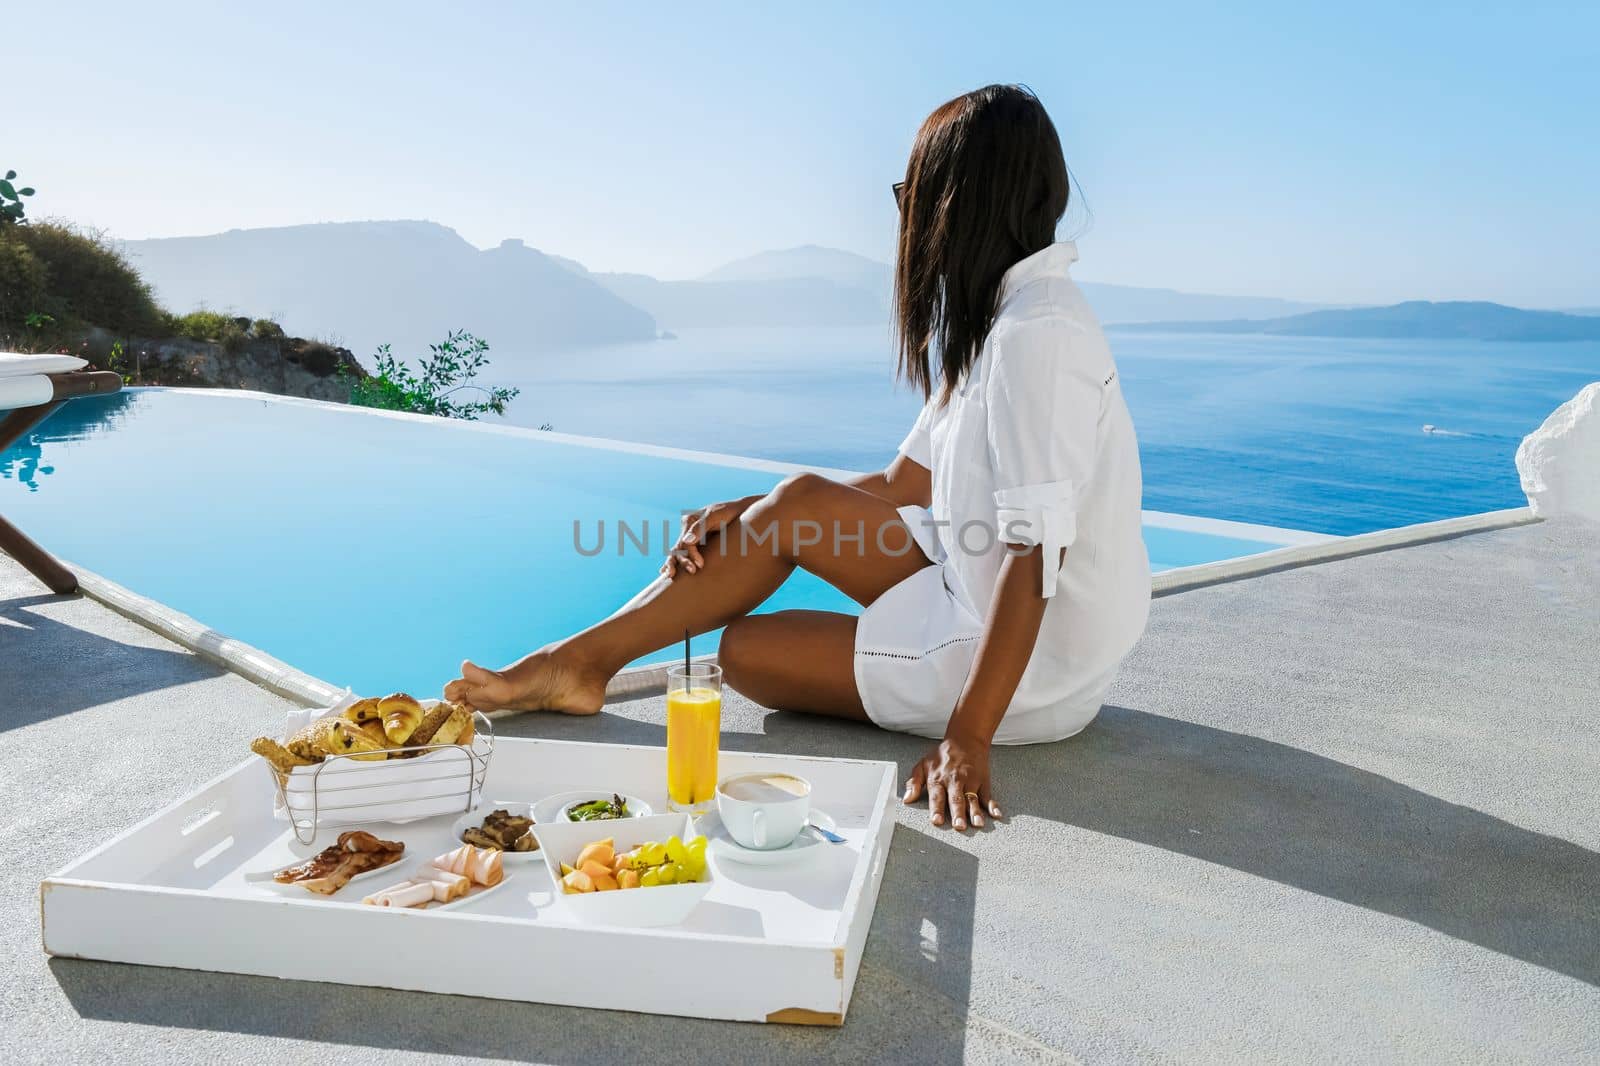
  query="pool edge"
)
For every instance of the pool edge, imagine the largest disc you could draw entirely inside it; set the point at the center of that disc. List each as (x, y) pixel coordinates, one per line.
(1333, 549)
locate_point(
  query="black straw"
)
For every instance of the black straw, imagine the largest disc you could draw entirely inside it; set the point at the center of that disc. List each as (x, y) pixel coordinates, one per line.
(687, 684)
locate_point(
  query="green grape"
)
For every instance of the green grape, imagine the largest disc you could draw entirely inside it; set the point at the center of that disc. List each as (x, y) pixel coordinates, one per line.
(697, 846)
(670, 873)
(675, 849)
(694, 869)
(653, 854)
(650, 878)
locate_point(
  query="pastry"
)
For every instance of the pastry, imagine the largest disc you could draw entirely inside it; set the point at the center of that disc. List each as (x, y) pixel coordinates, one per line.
(283, 761)
(401, 716)
(362, 711)
(324, 737)
(364, 747)
(333, 736)
(372, 729)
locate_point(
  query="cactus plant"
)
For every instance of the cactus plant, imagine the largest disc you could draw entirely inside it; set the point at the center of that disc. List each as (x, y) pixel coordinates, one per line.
(12, 208)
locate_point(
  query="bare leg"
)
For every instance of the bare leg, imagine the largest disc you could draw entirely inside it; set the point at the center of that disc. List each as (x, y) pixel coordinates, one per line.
(808, 521)
(794, 661)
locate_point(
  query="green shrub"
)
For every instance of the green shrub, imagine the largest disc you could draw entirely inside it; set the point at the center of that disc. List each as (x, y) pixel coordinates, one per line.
(267, 330)
(12, 209)
(318, 358)
(449, 369)
(22, 286)
(87, 281)
(201, 325)
(234, 337)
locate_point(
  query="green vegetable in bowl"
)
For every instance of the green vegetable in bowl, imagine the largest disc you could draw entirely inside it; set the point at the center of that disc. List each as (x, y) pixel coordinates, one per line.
(599, 810)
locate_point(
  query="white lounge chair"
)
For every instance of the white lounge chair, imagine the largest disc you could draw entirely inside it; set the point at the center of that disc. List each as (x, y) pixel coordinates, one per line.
(32, 386)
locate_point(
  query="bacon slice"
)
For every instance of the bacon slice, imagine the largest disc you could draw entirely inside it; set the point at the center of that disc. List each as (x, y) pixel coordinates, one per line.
(355, 852)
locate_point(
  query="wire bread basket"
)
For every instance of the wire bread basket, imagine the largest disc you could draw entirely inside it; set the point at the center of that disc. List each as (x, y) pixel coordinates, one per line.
(342, 790)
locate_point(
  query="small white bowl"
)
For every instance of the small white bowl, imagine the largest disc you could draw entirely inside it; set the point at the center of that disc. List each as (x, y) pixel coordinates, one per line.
(560, 842)
(553, 809)
(474, 818)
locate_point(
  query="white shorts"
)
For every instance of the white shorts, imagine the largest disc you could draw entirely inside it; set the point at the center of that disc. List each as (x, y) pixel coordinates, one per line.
(915, 646)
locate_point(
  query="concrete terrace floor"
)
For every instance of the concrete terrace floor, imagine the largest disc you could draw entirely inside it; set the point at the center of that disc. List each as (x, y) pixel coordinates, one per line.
(1346, 812)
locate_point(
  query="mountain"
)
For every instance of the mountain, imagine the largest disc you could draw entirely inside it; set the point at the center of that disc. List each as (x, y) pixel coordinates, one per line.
(1466, 320)
(816, 286)
(790, 302)
(808, 261)
(405, 283)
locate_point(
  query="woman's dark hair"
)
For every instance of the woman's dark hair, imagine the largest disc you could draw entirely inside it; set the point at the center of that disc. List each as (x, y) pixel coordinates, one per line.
(985, 187)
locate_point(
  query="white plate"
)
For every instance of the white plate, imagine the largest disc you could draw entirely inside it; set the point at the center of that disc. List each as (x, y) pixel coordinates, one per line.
(474, 894)
(548, 810)
(265, 878)
(722, 846)
(475, 817)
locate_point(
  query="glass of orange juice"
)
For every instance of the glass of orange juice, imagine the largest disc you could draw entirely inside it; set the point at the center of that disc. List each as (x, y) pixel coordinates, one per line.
(694, 730)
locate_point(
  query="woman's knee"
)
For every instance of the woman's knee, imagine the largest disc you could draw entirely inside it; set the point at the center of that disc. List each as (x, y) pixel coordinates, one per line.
(737, 652)
(792, 514)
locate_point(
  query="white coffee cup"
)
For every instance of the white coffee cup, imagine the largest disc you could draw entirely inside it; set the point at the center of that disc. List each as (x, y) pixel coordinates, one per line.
(764, 811)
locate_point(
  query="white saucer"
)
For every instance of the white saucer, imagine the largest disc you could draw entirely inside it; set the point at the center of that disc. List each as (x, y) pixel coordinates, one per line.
(549, 809)
(722, 846)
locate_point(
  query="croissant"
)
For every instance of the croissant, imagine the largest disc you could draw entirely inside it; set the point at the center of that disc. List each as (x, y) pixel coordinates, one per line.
(401, 716)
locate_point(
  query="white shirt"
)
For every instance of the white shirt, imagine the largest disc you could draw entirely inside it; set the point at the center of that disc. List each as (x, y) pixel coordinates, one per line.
(1036, 447)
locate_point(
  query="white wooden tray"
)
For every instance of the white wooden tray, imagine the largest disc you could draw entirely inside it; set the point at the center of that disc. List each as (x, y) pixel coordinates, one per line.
(776, 945)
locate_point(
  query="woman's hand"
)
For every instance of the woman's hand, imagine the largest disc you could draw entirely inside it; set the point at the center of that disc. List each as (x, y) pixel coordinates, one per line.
(697, 527)
(955, 776)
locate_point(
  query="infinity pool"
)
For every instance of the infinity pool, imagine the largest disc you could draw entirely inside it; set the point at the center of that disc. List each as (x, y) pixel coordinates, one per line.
(377, 551)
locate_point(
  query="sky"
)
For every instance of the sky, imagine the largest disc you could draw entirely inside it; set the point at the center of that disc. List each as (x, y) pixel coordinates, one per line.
(1360, 153)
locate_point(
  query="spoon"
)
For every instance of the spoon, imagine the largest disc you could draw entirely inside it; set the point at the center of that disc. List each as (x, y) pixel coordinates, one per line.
(828, 835)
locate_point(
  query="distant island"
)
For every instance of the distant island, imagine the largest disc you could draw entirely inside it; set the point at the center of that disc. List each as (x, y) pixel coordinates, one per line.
(1414, 319)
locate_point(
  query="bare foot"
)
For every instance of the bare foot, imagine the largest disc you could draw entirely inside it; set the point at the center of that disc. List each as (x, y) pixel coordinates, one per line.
(546, 680)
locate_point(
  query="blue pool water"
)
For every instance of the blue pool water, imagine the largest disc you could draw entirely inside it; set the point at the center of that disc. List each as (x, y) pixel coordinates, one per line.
(372, 551)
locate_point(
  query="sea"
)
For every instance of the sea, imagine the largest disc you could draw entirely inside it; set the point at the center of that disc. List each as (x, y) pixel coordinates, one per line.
(1322, 434)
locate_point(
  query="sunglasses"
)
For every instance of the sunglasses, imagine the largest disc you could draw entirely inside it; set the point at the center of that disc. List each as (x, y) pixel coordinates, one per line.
(899, 190)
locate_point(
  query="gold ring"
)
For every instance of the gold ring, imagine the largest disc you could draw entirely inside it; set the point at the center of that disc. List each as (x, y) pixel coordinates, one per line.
(972, 795)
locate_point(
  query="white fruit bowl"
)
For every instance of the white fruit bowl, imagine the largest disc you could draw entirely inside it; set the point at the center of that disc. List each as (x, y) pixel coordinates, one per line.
(560, 842)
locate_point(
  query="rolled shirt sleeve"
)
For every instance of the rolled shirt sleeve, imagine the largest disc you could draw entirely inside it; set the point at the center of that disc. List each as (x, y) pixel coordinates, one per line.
(918, 445)
(1044, 400)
